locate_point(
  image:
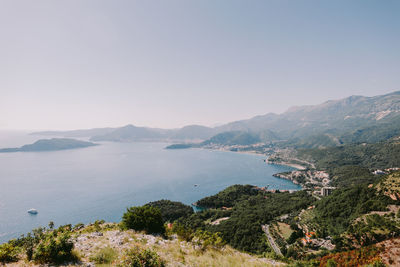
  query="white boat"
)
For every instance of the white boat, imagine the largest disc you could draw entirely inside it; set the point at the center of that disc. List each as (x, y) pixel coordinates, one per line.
(32, 211)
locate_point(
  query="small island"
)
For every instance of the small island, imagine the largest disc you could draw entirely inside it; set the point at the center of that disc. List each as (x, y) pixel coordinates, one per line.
(53, 144)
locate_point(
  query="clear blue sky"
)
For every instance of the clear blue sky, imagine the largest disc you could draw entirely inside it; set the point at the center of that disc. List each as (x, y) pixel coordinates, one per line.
(81, 64)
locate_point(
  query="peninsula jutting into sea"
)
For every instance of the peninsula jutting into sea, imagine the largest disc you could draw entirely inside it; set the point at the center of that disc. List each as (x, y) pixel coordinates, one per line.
(53, 144)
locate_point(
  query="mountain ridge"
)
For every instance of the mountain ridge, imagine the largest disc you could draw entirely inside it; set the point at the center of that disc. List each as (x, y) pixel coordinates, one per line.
(332, 118)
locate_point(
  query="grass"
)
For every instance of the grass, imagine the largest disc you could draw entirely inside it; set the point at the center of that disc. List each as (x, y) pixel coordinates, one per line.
(184, 253)
(104, 250)
(173, 252)
(285, 230)
(105, 255)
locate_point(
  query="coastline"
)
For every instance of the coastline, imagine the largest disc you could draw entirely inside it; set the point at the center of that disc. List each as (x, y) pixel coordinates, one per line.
(123, 153)
(293, 165)
(253, 152)
(288, 164)
(278, 175)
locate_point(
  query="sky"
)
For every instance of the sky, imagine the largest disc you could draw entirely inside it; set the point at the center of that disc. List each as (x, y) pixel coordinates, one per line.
(72, 64)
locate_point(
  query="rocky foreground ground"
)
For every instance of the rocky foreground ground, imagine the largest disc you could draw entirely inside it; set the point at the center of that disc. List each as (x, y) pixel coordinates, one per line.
(174, 252)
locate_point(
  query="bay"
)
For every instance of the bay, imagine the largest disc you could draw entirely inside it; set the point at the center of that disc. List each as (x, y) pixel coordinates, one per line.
(84, 185)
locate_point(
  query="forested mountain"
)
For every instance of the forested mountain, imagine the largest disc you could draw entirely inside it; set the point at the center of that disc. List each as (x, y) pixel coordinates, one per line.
(233, 138)
(352, 119)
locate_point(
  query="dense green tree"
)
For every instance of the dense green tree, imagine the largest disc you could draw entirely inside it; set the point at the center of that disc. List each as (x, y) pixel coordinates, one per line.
(250, 209)
(171, 210)
(144, 218)
(228, 197)
(335, 213)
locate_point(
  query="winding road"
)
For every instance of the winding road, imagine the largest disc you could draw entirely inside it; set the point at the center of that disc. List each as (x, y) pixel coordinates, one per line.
(265, 228)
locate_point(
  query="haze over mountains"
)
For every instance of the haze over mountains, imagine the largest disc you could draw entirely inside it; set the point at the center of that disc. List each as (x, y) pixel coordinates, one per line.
(352, 119)
(131, 133)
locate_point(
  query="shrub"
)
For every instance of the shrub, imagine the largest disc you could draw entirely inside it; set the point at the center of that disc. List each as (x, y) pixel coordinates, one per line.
(104, 255)
(182, 232)
(138, 257)
(331, 263)
(145, 218)
(8, 253)
(48, 245)
(377, 263)
(55, 247)
(357, 257)
(78, 226)
(206, 239)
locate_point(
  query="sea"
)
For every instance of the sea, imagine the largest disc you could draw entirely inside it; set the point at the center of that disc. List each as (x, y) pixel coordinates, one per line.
(101, 182)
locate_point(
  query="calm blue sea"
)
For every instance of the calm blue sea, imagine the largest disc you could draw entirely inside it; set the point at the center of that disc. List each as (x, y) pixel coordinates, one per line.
(84, 185)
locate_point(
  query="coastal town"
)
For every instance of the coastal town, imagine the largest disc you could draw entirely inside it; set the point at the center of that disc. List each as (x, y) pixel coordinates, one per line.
(317, 183)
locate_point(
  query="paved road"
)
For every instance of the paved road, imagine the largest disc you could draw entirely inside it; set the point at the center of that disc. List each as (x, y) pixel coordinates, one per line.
(271, 240)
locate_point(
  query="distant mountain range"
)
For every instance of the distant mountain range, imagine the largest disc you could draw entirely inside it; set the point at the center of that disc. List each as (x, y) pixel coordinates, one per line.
(348, 120)
(131, 133)
(76, 133)
(50, 145)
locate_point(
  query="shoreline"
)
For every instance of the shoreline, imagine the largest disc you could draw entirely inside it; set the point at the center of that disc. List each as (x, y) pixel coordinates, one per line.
(293, 165)
(297, 167)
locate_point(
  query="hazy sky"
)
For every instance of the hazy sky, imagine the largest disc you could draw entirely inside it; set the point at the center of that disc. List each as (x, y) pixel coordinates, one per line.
(81, 64)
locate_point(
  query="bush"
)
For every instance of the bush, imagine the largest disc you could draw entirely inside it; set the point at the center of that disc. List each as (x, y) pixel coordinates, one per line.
(182, 232)
(104, 255)
(358, 257)
(48, 245)
(78, 226)
(331, 263)
(206, 239)
(55, 247)
(138, 257)
(8, 253)
(145, 218)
